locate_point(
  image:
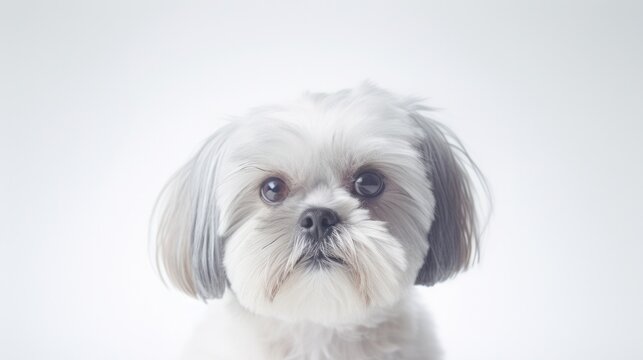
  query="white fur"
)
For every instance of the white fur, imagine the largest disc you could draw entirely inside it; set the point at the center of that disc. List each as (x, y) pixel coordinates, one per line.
(217, 237)
(230, 332)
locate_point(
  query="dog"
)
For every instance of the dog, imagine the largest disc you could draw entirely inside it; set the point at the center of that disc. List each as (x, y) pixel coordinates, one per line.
(314, 221)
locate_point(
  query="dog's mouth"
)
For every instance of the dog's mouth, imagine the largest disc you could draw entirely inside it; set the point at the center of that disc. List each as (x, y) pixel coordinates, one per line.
(317, 260)
(320, 260)
(309, 257)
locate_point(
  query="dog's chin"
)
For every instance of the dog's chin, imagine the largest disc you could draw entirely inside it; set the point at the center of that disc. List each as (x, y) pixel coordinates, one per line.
(326, 290)
(320, 291)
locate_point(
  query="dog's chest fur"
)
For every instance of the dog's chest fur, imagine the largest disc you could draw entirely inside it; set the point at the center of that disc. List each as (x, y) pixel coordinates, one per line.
(230, 332)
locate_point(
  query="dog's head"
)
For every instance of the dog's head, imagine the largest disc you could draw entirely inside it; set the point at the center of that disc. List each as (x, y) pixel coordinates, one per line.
(321, 210)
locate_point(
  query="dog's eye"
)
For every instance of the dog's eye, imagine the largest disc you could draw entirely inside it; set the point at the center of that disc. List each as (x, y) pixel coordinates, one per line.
(274, 190)
(368, 184)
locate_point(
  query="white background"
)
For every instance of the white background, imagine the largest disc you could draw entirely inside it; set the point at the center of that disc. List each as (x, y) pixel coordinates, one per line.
(101, 101)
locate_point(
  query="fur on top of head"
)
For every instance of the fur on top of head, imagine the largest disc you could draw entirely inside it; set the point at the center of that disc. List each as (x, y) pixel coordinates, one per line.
(386, 189)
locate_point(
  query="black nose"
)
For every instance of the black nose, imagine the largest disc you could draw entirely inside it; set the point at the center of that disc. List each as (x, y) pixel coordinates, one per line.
(317, 221)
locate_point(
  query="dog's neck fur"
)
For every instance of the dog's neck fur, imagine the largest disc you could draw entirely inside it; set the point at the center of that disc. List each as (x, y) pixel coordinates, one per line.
(402, 331)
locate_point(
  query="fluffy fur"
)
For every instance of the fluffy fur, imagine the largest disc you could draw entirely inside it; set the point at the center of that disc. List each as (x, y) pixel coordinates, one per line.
(217, 238)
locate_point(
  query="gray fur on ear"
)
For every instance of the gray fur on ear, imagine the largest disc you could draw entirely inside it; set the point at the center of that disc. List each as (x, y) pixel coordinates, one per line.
(454, 236)
(189, 251)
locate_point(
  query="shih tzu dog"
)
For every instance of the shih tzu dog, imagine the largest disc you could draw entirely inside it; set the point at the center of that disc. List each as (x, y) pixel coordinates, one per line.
(314, 221)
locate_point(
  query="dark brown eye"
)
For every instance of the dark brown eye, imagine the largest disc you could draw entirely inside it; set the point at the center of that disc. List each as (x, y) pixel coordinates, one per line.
(368, 184)
(274, 190)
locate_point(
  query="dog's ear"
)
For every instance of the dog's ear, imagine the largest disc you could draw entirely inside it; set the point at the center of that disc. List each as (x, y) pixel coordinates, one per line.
(453, 236)
(189, 249)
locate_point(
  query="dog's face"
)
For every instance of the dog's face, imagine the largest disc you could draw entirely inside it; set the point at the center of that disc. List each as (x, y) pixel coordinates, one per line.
(322, 210)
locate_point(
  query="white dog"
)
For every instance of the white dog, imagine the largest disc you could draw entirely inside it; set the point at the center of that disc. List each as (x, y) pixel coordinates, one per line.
(314, 221)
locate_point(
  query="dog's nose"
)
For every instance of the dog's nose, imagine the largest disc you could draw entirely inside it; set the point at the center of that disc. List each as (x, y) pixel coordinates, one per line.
(317, 221)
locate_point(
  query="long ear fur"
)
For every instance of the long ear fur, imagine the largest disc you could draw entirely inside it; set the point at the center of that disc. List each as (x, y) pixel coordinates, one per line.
(189, 251)
(453, 237)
